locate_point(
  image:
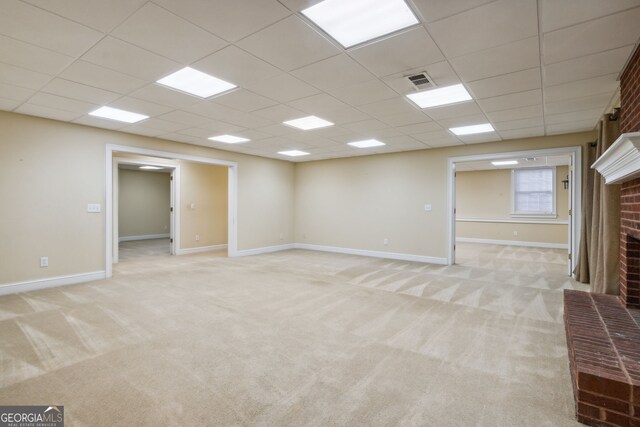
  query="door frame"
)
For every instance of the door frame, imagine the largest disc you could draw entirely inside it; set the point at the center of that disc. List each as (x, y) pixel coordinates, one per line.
(232, 194)
(174, 186)
(575, 205)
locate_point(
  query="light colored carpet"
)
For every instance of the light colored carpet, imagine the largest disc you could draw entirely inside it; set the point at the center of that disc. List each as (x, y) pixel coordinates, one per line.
(298, 338)
(143, 248)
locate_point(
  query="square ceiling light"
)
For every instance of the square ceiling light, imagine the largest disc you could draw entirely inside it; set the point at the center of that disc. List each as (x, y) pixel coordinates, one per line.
(293, 153)
(440, 96)
(357, 21)
(366, 143)
(471, 130)
(229, 139)
(196, 83)
(117, 114)
(504, 162)
(308, 123)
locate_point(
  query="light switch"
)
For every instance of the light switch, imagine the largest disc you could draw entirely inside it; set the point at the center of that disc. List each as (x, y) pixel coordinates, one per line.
(427, 207)
(192, 205)
(93, 208)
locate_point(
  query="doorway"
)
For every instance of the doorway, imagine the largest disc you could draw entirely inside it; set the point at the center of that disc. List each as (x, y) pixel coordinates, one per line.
(510, 213)
(172, 161)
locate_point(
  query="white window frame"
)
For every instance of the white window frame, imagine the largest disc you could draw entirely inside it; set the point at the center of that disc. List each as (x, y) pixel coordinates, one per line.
(521, 214)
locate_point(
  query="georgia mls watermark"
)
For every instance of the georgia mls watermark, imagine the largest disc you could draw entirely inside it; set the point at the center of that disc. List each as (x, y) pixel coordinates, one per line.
(31, 416)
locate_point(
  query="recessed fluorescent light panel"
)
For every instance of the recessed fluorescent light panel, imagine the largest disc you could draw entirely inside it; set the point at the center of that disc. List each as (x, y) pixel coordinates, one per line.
(229, 139)
(308, 123)
(293, 153)
(196, 83)
(366, 143)
(440, 96)
(357, 21)
(117, 114)
(150, 168)
(505, 163)
(470, 130)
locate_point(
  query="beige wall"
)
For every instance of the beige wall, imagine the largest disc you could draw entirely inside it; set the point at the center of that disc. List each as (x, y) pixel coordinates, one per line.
(357, 202)
(206, 186)
(487, 195)
(144, 202)
(51, 170)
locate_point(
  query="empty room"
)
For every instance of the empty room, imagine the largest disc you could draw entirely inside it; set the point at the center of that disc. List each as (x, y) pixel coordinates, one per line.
(320, 212)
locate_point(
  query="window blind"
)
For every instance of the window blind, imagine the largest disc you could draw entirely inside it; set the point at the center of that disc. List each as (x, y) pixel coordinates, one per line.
(533, 191)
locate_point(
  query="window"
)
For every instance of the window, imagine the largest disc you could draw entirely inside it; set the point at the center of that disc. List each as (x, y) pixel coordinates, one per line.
(534, 191)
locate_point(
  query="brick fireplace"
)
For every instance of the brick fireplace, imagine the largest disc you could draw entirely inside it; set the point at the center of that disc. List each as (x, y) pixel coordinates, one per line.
(603, 331)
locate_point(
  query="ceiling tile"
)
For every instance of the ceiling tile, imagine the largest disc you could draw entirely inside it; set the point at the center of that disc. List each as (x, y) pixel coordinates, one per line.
(46, 112)
(289, 44)
(33, 25)
(179, 137)
(434, 10)
(142, 130)
(223, 113)
(490, 25)
(435, 135)
(402, 52)
(606, 33)
(480, 138)
(8, 104)
(328, 108)
(184, 43)
(575, 116)
(79, 91)
(100, 122)
(512, 100)
(444, 142)
(516, 113)
(98, 14)
(129, 59)
(581, 88)
(183, 117)
(282, 87)
(419, 128)
(15, 93)
(100, 77)
(522, 133)
(162, 95)
(576, 104)
(230, 19)
(244, 100)
(236, 66)
(335, 72)
(585, 67)
(363, 93)
(139, 106)
(62, 103)
(17, 76)
(164, 125)
(463, 121)
(566, 127)
(518, 124)
(197, 132)
(280, 113)
(404, 119)
(461, 109)
(519, 81)
(367, 126)
(558, 14)
(25, 55)
(516, 56)
(398, 105)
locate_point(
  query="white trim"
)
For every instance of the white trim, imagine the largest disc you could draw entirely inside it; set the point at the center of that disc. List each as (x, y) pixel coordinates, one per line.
(51, 282)
(515, 220)
(266, 250)
(575, 204)
(621, 161)
(374, 254)
(513, 243)
(144, 237)
(201, 249)
(232, 196)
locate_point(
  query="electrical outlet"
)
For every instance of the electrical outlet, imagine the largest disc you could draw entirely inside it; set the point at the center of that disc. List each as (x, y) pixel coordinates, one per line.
(515, 233)
(385, 242)
(44, 261)
(197, 237)
(427, 207)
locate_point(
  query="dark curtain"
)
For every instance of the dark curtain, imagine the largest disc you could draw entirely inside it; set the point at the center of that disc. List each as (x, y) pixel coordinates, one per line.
(598, 256)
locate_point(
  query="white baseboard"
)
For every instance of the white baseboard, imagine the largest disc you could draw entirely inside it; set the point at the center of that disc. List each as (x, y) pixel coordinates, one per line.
(143, 237)
(513, 243)
(200, 249)
(52, 282)
(265, 250)
(374, 254)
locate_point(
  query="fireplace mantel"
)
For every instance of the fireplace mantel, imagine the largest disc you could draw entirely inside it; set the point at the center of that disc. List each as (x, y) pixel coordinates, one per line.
(621, 162)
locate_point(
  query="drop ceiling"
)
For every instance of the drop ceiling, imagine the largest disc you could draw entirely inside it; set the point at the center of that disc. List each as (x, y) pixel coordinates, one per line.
(532, 67)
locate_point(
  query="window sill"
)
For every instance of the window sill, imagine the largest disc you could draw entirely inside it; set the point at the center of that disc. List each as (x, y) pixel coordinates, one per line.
(533, 215)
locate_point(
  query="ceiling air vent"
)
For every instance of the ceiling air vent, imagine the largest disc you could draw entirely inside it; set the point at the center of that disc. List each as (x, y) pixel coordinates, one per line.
(421, 81)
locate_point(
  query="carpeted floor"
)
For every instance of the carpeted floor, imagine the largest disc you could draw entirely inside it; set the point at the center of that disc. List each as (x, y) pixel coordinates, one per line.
(298, 338)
